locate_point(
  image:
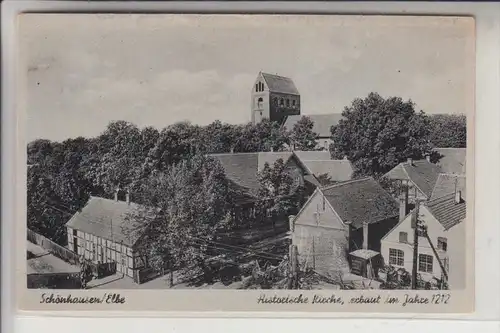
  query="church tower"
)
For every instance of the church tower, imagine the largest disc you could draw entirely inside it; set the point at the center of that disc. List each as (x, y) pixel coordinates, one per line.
(274, 97)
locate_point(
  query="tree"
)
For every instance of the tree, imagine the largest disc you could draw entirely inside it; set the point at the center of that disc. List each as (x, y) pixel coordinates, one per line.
(376, 134)
(448, 131)
(190, 201)
(266, 135)
(302, 135)
(279, 195)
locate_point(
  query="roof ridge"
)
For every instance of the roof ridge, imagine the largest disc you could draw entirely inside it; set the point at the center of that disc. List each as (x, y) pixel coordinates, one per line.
(238, 153)
(346, 183)
(451, 174)
(275, 75)
(440, 199)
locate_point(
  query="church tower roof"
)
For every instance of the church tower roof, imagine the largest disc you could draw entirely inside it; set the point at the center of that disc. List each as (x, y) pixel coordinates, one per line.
(280, 84)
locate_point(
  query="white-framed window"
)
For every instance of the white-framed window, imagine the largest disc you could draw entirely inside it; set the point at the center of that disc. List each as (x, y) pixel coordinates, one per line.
(396, 257)
(425, 262)
(442, 244)
(403, 237)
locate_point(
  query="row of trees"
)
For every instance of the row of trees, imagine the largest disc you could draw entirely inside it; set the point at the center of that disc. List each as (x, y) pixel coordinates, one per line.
(375, 135)
(62, 175)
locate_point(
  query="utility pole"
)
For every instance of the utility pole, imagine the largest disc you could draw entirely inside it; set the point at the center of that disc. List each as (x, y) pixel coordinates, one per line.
(441, 265)
(314, 254)
(292, 277)
(415, 244)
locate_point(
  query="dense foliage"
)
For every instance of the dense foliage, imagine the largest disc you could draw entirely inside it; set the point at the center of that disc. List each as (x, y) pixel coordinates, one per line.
(302, 135)
(279, 194)
(191, 202)
(62, 175)
(376, 134)
(448, 131)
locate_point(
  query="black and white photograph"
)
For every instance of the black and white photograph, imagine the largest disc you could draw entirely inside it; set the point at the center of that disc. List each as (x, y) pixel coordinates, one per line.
(247, 152)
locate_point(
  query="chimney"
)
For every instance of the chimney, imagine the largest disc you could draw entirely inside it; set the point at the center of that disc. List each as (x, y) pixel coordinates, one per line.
(345, 157)
(127, 197)
(402, 207)
(410, 161)
(292, 223)
(272, 149)
(365, 236)
(458, 196)
(232, 150)
(428, 158)
(116, 194)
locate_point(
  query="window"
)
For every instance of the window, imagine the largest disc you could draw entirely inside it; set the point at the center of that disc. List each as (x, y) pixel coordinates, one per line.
(293, 104)
(257, 87)
(259, 103)
(275, 101)
(403, 237)
(425, 263)
(282, 102)
(396, 257)
(287, 103)
(442, 243)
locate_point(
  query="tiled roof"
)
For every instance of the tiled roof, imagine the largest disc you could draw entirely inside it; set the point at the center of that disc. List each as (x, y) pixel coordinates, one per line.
(242, 168)
(322, 122)
(360, 201)
(447, 211)
(313, 155)
(453, 160)
(422, 173)
(337, 170)
(280, 84)
(449, 183)
(271, 157)
(108, 219)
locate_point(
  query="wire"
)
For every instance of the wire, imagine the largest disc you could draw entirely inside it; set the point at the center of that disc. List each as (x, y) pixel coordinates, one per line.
(235, 247)
(236, 252)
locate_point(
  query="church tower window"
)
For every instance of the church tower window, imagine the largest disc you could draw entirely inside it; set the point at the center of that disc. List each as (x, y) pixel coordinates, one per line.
(257, 87)
(259, 103)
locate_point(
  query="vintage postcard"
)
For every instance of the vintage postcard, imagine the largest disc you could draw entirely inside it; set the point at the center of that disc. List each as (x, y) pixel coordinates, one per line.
(246, 163)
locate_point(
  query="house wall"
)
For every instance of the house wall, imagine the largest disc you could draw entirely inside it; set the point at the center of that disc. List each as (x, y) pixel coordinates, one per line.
(98, 249)
(434, 229)
(457, 271)
(321, 238)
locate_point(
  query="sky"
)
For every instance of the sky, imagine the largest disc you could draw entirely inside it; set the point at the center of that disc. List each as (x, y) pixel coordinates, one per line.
(84, 70)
